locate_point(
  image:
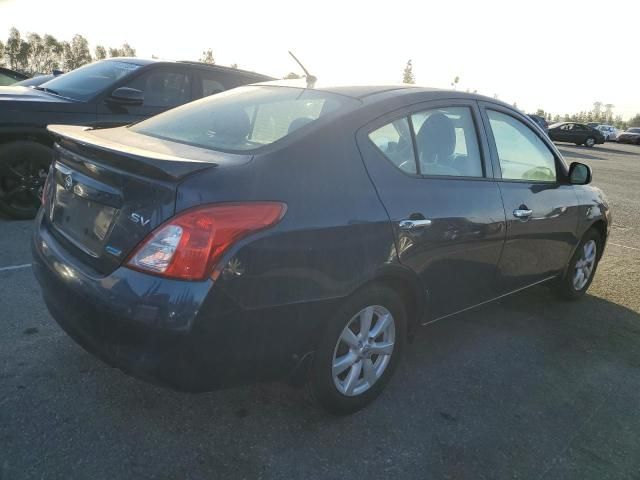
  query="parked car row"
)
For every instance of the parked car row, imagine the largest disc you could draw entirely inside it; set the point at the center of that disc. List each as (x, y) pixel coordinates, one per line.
(103, 94)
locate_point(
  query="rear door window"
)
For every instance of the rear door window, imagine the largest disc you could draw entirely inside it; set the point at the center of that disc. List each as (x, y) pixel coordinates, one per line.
(394, 141)
(447, 142)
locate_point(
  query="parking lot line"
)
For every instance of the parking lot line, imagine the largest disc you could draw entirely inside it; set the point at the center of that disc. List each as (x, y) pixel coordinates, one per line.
(15, 267)
(623, 246)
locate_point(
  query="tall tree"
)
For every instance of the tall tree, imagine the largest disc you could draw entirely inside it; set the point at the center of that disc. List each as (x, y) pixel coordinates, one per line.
(407, 75)
(124, 51)
(455, 82)
(1, 53)
(100, 53)
(45, 53)
(207, 56)
(16, 51)
(76, 53)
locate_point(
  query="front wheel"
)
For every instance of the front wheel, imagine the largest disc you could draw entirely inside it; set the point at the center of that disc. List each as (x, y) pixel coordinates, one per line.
(359, 350)
(23, 170)
(582, 268)
(590, 142)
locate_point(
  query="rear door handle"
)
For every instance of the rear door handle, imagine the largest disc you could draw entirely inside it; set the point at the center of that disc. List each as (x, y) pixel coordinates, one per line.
(413, 224)
(522, 213)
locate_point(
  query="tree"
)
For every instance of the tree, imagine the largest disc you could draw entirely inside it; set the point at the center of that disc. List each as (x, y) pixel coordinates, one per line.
(234, 65)
(455, 82)
(76, 53)
(207, 56)
(1, 53)
(100, 52)
(124, 51)
(291, 76)
(45, 54)
(407, 75)
(634, 121)
(16, 51)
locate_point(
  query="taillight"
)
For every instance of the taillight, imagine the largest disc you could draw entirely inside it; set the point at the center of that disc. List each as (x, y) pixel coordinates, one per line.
(189, 245)
(45, 189)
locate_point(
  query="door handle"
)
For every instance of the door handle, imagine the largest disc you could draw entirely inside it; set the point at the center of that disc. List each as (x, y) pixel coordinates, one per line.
(522, 213)
(413, 224)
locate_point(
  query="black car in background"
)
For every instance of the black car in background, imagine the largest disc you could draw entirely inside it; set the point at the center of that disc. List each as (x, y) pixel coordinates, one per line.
(542, 123)
(630, 135)
(10, 77)
(275, 232)
(38, 80)
(577, 133)
(107, 93)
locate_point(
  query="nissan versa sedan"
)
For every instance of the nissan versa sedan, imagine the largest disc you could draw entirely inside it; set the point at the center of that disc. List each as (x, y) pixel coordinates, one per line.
(284, 232)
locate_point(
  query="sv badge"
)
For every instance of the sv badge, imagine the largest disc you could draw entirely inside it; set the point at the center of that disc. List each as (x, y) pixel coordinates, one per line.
(139, 219)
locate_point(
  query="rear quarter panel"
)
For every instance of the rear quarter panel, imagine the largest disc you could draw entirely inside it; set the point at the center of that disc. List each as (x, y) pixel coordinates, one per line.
(334, 237)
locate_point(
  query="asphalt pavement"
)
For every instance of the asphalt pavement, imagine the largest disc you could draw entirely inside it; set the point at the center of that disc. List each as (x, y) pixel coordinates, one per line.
(527, 388)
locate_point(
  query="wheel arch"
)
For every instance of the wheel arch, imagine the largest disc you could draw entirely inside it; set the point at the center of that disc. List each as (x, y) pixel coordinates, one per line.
(408, 286)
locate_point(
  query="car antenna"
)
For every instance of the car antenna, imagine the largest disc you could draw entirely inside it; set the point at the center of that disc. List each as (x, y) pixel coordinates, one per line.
(311, 79)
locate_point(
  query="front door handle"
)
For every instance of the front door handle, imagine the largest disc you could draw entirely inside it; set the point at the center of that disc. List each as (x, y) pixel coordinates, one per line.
(413, 224)
(522, 213)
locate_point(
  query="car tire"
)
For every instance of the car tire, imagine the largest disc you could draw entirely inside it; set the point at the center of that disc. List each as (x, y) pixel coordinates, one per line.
(23, 169)
(572, 286)
(590, 142)
(333, 383)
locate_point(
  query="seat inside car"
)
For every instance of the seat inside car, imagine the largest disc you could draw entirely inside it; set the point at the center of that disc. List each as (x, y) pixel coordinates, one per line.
(436, 142)
(299, 123)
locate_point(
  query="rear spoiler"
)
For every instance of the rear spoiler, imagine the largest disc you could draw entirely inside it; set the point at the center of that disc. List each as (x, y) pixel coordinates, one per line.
(80, 143)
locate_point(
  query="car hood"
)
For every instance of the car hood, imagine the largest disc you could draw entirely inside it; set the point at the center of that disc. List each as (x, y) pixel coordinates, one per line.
(26, 94)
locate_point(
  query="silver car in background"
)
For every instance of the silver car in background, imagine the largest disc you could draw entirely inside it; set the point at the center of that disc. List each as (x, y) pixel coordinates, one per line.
(610, 132)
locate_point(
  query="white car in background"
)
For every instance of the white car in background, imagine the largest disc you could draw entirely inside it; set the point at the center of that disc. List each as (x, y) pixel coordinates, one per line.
(610, 132)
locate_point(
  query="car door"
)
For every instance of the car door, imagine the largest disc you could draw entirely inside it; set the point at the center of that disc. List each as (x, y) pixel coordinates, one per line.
(164, 87)
(429, 165)
(541, 207)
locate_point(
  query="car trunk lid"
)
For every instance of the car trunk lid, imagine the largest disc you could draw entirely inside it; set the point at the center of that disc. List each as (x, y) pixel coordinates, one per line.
(109, 189)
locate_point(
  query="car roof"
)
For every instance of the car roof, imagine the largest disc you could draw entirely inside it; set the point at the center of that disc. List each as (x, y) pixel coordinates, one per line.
(372, 93)
(209, 66)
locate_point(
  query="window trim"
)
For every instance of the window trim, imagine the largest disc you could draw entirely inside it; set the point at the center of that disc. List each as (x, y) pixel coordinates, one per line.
(561, 167)
(407, 111)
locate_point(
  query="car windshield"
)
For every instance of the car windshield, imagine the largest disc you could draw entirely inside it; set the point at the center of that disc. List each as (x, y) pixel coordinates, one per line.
(634, 130)
(85, 82)
(244, 118)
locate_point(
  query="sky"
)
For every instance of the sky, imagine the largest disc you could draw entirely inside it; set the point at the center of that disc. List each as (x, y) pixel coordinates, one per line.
(561, 55)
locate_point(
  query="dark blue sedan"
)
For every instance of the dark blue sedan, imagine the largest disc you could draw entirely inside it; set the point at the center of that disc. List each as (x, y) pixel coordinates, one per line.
(284, 232)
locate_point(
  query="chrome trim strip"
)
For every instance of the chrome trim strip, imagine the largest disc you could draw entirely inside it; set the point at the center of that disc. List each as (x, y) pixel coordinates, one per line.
(488, 301)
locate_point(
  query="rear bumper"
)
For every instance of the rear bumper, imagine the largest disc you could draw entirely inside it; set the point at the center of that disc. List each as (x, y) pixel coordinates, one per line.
(188, 336)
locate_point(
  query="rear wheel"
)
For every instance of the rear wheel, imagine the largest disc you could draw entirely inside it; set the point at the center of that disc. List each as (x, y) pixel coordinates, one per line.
(359, 350)
(582, 268)
(23, 170)
(590, 142)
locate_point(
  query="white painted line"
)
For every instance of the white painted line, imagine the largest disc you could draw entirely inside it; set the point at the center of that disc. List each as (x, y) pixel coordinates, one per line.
(15, 267)
(623, 246)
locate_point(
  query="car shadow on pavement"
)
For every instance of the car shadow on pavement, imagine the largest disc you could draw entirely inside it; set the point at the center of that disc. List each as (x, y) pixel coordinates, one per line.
(578, 154)
(616, 151)
(496, 392)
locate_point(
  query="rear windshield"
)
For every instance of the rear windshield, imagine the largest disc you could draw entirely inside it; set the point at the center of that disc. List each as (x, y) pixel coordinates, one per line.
(242, 119)
(634, 130)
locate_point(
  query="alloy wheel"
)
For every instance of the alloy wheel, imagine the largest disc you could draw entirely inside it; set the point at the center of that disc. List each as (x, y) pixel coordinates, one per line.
(364, 350)
(584, 265)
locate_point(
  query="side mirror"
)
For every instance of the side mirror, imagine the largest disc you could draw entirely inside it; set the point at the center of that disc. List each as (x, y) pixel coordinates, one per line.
(127, 96)
(579, 174)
